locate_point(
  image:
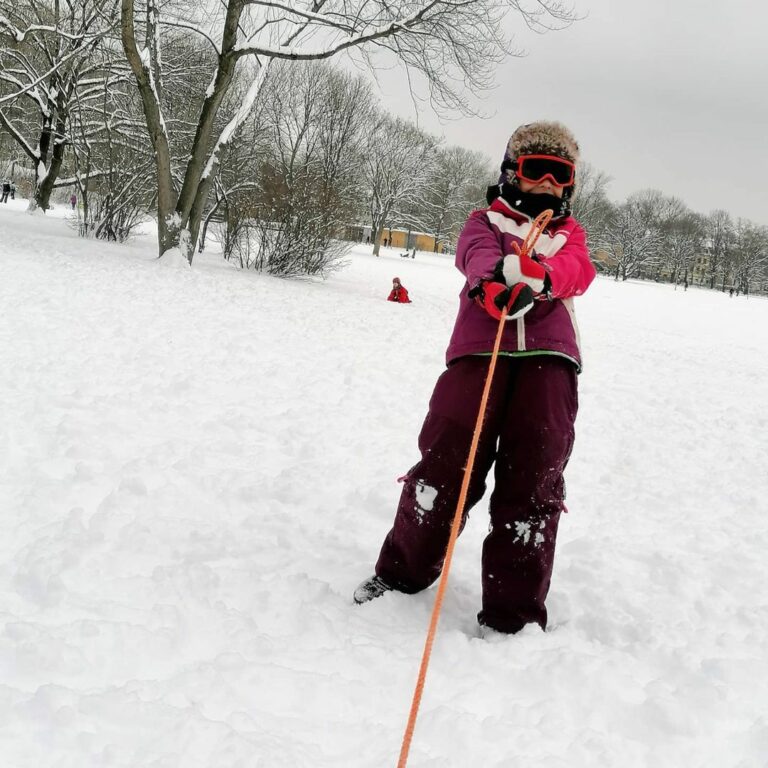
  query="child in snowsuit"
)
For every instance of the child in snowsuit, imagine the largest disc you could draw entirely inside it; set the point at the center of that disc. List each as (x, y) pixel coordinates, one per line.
(528, 430)
(398, 292)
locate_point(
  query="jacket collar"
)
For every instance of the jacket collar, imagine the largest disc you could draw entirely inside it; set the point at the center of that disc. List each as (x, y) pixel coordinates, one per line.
(500, 205)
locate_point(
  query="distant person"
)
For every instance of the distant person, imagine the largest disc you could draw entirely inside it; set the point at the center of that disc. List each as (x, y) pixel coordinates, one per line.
(73, 201)
(398, 292)
(13, 191)
(730, 292)
(6, 191)
(529, 419)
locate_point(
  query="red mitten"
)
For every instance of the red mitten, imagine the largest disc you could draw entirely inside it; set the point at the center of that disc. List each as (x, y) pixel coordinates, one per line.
(493, 297)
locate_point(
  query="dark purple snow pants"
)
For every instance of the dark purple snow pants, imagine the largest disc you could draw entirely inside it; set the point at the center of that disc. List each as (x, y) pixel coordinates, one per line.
(528, 433)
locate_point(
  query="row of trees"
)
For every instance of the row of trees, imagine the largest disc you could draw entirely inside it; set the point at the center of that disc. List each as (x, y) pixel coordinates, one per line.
(313, 156)
(318, 156)
(253, 132)
(100, 76)
(657, 237)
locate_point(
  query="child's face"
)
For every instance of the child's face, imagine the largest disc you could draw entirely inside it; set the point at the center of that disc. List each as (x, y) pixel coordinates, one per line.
(545, 186)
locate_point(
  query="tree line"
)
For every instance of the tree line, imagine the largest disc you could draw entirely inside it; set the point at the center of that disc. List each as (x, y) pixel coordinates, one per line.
(652, 236)
(233, 117)
(223, 89)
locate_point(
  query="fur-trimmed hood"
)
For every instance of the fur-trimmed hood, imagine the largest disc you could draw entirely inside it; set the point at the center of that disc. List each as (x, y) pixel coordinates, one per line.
(542, 138)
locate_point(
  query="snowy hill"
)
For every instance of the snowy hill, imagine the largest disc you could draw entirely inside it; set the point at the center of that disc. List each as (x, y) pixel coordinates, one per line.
(197, 467)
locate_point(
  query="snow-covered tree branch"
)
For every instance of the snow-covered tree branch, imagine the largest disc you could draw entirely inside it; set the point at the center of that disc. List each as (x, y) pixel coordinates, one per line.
(453, 44)
(47, 52)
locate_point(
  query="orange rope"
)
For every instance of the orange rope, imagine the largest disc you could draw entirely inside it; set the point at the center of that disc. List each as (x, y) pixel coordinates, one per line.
(539, 224)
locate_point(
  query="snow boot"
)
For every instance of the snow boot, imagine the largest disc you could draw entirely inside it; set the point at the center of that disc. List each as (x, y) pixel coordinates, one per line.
(370, 589)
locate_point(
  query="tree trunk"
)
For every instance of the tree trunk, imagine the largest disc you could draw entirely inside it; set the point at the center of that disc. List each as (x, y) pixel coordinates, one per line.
(168, 222)
(201, 241)
(377, 231)
(194, 219)
(44, 189)
(86, 203)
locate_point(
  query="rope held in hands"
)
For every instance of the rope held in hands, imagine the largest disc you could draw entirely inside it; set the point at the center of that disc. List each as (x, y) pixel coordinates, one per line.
(539, 225)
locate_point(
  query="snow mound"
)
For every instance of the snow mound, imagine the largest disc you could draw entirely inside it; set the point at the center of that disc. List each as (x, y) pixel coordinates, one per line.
(174, 259)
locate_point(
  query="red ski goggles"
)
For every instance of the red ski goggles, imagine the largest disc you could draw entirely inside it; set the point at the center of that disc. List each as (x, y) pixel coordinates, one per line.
(536, 168)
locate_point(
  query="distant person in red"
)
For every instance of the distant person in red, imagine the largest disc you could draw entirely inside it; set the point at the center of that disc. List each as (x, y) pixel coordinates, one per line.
(398, 292)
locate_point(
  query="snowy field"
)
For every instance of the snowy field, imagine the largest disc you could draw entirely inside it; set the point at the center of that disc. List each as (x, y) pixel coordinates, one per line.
(197, 468)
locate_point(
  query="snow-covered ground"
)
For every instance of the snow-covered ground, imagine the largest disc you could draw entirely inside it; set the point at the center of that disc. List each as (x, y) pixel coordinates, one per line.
(197, 467)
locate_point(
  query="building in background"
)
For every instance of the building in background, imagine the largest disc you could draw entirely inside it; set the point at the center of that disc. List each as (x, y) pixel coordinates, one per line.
(404, 239)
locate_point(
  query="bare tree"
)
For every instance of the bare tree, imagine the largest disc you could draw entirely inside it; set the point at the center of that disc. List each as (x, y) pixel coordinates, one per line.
(683, 240)
(456, 185)
(750, 254)
(110, 162)
(631, 237)
(398, 162)
(590, 204)
(46, 54)
(238, 179)
(720, 236)
(453, 43)
(307, 185)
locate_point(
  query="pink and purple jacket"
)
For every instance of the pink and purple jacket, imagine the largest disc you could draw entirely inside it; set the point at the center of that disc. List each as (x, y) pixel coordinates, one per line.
(550, 327)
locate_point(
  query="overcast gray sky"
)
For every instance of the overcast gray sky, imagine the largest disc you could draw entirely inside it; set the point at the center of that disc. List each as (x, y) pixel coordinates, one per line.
(670, 94)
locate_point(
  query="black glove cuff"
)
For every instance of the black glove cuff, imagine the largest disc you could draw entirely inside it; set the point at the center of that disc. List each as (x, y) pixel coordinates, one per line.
(502, 299)
(476, 291)
(498, 272)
